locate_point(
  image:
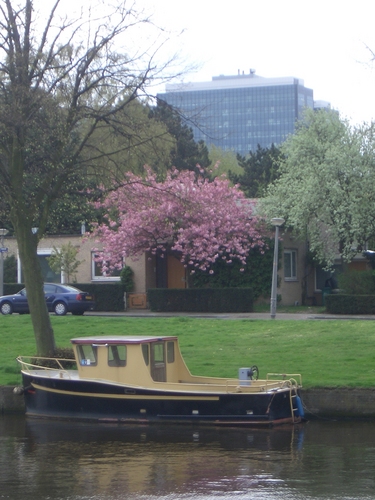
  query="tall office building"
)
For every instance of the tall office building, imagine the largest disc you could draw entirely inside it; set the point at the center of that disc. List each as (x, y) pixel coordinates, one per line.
(239, 112)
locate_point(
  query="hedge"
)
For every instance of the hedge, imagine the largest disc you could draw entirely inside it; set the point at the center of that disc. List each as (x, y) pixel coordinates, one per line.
(218, 300)
(350, 304)
(108, 296)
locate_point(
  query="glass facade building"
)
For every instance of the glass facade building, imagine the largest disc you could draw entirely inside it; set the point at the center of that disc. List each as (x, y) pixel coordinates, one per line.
(239, 112)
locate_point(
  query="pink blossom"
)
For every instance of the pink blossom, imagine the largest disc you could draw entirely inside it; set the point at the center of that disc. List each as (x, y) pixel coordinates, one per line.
(201, 220)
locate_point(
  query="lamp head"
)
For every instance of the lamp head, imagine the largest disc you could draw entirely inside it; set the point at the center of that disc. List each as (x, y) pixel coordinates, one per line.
(277, 221)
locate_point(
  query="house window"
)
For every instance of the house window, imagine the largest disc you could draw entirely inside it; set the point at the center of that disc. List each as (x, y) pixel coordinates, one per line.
(48, 275)
(290, 265)
(97, 273)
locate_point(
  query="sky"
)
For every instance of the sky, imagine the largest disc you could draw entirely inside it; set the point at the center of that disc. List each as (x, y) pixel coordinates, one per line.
(322, 42)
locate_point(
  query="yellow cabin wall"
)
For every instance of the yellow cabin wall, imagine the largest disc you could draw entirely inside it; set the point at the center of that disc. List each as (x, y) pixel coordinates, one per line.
(136, 372)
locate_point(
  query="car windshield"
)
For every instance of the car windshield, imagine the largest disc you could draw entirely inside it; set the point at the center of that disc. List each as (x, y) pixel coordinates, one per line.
(54, 288)
(69, 289)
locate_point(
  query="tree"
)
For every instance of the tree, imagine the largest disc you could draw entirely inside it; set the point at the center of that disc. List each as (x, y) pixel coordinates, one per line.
(61, 86)
(185, 153)
(203, 221)
(326, 188)
(142, 139)
(260, 169)
(65, 261)
(256, 274)
(226, 160)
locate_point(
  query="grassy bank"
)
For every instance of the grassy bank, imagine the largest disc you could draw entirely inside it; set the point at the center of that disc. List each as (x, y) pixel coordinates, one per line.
(326, 353)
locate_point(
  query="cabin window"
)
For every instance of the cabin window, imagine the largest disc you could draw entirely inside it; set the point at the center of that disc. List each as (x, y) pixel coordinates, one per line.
(146, 354)
(170, 352)
(87, 355)
(117, 355)
(158, 352)
(157, 361)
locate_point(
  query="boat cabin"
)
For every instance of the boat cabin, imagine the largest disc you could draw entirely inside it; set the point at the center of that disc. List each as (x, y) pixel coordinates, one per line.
(136, 360)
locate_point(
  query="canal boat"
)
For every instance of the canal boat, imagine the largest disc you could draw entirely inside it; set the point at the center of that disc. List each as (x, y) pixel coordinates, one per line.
(144, 379)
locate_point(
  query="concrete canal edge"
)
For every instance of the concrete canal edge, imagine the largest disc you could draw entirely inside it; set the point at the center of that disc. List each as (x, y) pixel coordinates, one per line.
(339, 403)
(330, 403)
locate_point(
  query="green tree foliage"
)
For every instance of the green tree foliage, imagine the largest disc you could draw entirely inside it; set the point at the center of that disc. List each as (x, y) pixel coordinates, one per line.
(74, 206)
(357, 282)
(141, 140)
(64, 260)
(256, 274)
(326, 188)
(185, 153)
(138, 139)
(225, 160)
(260, 169)
(65, 88)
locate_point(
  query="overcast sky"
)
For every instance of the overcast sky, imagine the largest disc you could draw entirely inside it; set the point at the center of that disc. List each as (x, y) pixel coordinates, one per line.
(322, 42)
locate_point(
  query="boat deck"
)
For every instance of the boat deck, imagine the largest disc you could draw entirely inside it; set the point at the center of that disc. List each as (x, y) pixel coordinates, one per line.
(214, 385)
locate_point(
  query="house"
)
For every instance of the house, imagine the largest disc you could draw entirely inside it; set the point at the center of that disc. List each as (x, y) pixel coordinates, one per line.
(299, 282)
(149, 271)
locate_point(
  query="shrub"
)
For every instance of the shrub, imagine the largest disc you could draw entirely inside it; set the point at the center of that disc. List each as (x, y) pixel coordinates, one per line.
(357, 282)
(126, 276)
(60, 353)
(257, 274)
(350, 304)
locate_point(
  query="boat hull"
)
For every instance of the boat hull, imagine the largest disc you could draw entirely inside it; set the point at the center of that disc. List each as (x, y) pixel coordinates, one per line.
(95, 400)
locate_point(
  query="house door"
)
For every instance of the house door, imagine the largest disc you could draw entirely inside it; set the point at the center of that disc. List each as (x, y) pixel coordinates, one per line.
(176, 273)
(158, 369)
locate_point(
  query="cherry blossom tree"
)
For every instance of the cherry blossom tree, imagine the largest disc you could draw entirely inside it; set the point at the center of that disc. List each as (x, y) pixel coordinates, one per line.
(201, 220)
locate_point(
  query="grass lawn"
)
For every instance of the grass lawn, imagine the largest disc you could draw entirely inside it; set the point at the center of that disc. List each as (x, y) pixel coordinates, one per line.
(327, 353)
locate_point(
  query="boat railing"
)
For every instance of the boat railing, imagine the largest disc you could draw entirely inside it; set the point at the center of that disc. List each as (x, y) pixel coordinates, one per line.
(48, 365)
(290, 379)
(271, 383)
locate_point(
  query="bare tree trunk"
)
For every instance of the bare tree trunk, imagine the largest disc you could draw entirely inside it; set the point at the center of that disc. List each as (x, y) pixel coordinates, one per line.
(27, 246)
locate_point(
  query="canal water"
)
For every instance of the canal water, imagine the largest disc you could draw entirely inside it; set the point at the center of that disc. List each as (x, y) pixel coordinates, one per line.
(42, 460)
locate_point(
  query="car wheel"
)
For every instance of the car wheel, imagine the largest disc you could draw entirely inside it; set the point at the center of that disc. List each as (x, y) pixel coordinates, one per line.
(6, 308)
(60, 309)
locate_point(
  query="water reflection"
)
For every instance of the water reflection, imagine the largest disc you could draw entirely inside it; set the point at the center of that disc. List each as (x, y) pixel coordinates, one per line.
(46, 459)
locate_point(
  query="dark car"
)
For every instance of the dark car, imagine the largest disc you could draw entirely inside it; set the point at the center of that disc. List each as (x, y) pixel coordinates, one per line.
(60, 299)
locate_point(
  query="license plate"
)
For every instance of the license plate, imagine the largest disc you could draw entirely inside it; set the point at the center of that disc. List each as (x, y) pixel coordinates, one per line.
(88, 297)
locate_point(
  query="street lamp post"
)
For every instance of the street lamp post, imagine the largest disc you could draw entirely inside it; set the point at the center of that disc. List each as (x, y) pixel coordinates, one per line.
(277, 222)
(3, 232)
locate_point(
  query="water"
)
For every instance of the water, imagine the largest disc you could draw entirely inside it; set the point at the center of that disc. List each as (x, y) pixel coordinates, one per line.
(42, 460)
